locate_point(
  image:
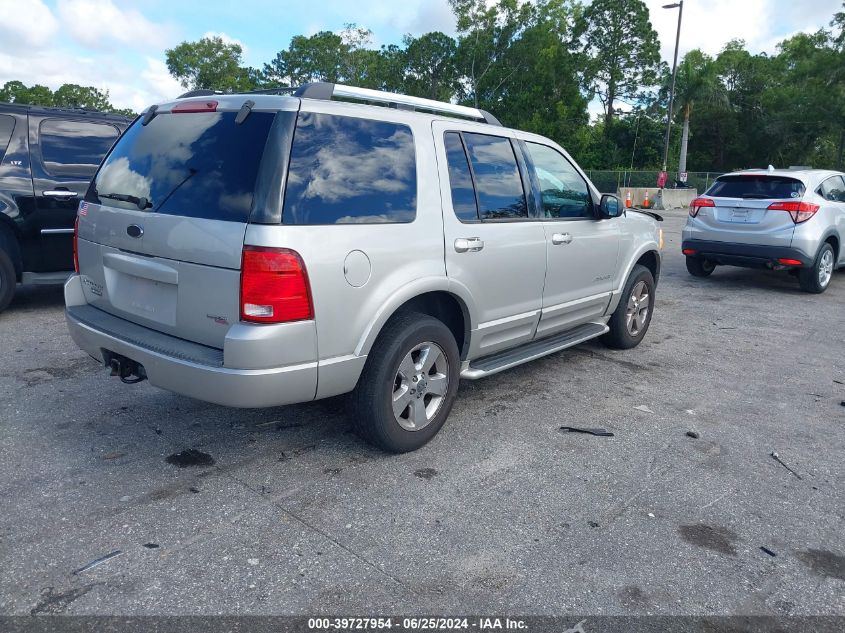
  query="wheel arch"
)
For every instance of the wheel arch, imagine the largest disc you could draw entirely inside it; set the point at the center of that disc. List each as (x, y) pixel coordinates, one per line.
(833, 239)
(649, 256)
(438, 297)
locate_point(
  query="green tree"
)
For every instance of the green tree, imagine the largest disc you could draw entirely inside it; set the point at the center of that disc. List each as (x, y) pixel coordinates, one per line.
(14, 92)
(622, 52)
(430, 68)
(545, 96)
(485, 55)
(697, 81)
(209, 63)
(307, 59)
(75, 96)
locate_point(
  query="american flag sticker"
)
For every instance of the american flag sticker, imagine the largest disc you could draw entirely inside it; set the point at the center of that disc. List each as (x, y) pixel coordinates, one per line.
(83, 208)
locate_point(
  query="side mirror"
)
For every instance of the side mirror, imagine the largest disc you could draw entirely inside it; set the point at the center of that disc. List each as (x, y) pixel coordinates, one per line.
(610, 207)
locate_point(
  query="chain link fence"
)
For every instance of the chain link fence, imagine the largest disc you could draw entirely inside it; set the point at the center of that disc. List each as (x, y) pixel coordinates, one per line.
(608, 181)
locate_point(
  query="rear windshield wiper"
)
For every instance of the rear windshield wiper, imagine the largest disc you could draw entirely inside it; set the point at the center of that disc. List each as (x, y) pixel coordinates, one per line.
(142, 203)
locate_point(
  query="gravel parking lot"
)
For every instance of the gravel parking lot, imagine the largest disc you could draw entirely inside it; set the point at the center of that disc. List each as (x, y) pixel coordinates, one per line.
(287, 512)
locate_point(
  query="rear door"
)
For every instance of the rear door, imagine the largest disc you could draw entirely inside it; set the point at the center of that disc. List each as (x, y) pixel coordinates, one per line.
(65, 154)
(162, 227)
(493, 245)
(741, 213)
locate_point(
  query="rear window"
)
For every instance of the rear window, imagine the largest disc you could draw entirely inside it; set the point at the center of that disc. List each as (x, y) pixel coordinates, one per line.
(199, 165)
(7, 126)
(460, 179)
(346, 170)
(74, 148)
(497, 179)
(756, 186)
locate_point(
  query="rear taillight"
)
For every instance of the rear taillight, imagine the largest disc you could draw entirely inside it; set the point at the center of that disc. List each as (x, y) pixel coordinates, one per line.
(75, 245)
(799, 211)
(274, 286)
(194, 106)
(698, 203)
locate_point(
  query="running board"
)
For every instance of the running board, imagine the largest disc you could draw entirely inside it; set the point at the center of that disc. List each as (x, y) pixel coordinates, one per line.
(501, 361)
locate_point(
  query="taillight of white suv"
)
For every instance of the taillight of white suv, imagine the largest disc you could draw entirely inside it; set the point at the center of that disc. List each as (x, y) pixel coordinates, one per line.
(799, 211)
(698, 203)
(274, 286)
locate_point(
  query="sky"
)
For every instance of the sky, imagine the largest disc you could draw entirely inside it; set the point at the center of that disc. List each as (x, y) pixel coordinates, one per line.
(118, 45)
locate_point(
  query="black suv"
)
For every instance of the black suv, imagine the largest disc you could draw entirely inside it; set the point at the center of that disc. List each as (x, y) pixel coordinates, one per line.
(47, 159)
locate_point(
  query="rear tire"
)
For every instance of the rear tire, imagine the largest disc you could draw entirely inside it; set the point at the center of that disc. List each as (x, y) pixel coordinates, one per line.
(8, 280)
(631, 319)
(408, 385)
(699, 267)
(817, 278)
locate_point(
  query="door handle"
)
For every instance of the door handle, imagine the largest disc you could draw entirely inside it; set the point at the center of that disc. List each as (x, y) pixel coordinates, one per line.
(468, 244)
(59, 193)
(561, 238)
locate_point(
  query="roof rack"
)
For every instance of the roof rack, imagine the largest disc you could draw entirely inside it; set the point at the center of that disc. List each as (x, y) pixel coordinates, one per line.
(325, 91)
(404, 102)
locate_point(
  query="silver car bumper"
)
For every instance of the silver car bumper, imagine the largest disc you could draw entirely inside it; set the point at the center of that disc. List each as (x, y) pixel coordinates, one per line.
(182, 367)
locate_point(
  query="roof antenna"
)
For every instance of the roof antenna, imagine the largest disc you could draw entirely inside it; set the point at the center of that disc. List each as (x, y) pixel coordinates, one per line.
(771, 167)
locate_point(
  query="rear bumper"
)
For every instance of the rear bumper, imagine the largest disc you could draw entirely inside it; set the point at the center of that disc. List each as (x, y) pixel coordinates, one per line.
(183, 367)
(746, 255)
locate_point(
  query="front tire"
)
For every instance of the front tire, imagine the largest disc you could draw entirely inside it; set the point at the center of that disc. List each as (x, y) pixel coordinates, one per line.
(408, 385)
(632, 316)
(698, 267)
(817, 278)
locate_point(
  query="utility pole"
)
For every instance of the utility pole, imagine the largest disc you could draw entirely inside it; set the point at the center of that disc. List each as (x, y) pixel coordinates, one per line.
(680, 6)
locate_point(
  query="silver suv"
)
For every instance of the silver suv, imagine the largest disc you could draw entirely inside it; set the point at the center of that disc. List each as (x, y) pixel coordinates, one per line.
(779, 219)
(257, 250)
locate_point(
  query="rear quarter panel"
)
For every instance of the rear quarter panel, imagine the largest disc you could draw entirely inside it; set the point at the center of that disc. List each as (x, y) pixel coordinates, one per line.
(404, 259)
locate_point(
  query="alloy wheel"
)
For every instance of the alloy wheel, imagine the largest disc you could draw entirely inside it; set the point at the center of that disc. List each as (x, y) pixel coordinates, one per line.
(825, 268)
(420, 386)
(636, 315)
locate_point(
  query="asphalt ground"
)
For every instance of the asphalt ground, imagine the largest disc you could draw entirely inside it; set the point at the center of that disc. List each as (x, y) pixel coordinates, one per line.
(288, 512)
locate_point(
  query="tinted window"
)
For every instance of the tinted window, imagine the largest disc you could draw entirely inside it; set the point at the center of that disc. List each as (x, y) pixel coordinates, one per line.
(756, 186)
(497, 179)
(200, 165)
(833, 189)
(460, 179)
(74, 148)
(564, 191)
(7, 126)
(345, 170)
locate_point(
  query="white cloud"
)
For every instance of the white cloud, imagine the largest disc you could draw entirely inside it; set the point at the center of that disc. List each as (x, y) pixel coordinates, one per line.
(26, 24)
(710, 24)
(101, 24)
(53, 68)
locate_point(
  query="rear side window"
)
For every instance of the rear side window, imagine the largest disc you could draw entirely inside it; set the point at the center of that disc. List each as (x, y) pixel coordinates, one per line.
(460, 179)
(497, 180)
(760, 186)
(74, 148)
(199, 165)
(833, 189)
(7, 126)
(346, 170)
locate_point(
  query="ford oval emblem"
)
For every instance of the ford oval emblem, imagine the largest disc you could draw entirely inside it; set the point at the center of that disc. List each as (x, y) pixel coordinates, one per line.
(133, 230)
